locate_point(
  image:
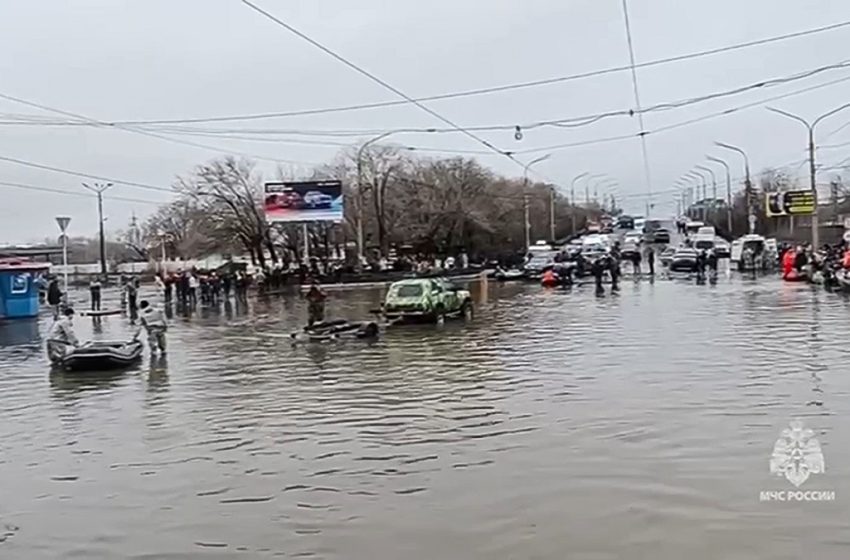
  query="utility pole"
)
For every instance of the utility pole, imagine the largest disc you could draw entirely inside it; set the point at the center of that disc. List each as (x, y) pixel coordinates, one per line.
(573, 200)
(834, 186)
(728, 192)
(748, 185)
(552, 213)
(812, 168)
(525, 197)
(527, 222)
(98, 189)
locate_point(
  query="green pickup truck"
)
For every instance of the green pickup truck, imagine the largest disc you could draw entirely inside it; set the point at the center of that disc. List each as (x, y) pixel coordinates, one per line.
(426, 299)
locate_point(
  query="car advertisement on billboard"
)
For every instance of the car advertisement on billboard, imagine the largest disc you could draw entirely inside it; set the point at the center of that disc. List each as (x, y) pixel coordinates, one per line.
(303, 201)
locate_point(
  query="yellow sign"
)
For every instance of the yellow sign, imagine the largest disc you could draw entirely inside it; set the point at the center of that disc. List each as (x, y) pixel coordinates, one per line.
(790, 203)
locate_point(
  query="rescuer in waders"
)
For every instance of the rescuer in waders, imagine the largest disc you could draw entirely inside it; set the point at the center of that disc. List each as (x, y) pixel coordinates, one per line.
(316, 298)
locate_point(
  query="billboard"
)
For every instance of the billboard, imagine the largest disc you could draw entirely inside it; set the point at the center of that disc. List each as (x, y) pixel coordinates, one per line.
(790, 203)
(303, 201)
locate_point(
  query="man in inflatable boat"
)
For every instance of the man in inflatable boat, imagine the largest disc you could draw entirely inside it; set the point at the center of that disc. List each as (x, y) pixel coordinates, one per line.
(62, 338)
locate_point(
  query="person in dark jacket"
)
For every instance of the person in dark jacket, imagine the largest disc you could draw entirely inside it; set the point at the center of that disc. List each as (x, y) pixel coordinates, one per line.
(54, 296)
(95, 289)
(316, 298)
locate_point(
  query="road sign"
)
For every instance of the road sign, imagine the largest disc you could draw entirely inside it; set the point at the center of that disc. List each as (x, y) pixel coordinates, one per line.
(63, 222)
(790, 203)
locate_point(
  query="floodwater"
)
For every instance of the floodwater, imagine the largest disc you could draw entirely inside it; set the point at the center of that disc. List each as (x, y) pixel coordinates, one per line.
(555, 425)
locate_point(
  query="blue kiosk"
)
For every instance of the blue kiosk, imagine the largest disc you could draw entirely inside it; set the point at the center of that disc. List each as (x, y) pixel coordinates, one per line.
(19, 288)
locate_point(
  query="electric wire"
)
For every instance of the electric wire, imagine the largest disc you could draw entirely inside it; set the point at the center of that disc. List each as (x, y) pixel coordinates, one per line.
(501, 88)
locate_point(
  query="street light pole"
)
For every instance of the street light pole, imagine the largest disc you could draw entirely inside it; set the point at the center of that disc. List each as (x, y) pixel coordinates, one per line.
(573, 200)
(710, 171)
(98, 189)
(748, 185)
(525, 197)
(812, 169)
(728, 191)
(701, 178)
(360, 201)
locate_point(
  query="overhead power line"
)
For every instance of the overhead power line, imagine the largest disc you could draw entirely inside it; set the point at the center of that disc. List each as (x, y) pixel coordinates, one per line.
(85, 175)
(74, 193)
(566, 122)
(377, 80)
(681, 124)
(92, 121)
(638, 108)
(502, 88)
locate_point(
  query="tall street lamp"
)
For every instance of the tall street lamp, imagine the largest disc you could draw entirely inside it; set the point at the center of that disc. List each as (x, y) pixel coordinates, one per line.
(728, 191)
(360, 201)
(576, 179)
(701, 179)
(525, 197)
(748, 185)
(812, 173)
(588, 179)
(710, 171)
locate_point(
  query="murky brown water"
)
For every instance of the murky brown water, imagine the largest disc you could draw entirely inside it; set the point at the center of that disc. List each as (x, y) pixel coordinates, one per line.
(557, 425)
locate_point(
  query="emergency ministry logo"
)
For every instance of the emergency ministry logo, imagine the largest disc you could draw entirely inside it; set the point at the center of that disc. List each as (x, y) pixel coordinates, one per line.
(797, 454)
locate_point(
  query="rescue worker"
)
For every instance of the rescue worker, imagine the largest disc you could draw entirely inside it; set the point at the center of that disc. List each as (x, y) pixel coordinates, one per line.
(132, 297)
(597, 268)
(712, 263)
(650, 259)
(94, 290)
(636, 258)
(549, 278)
(153, 320)
(54, 297)
(61, 338)
(702, 261)
(316, 304)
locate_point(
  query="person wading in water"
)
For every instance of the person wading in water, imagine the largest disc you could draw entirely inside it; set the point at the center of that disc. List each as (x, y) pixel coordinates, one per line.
(316, 298)
(153, 321)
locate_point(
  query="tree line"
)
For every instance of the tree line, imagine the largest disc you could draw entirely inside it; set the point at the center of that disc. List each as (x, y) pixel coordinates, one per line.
(432, 206)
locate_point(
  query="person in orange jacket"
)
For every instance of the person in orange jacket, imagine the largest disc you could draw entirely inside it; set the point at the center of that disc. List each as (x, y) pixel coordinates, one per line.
(549, 278)
(788, 262)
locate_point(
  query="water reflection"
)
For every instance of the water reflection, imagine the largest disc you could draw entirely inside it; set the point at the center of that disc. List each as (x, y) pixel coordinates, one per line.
(20, 332)
(554, 425)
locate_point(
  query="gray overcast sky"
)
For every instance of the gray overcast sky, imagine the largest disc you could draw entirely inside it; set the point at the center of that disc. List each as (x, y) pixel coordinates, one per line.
(159, 59)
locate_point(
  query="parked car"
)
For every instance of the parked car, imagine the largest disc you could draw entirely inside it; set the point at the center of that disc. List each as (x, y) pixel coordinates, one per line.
(666, 256)
(317, 200)
(426, 299)
(722, 248)
(626, 222)
(704, 242)
(684, 260)
(660, 235)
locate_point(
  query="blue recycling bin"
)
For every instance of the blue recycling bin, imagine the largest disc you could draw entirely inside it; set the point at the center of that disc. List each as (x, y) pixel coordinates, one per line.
(19, 288)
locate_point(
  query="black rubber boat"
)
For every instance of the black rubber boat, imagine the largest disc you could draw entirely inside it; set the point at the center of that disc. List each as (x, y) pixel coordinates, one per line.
(338, 329)
(103, 355)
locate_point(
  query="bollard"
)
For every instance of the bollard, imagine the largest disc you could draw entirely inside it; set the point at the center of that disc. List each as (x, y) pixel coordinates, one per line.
(484, 287)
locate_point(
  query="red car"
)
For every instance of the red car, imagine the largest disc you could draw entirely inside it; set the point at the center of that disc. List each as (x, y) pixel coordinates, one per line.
(289, 200)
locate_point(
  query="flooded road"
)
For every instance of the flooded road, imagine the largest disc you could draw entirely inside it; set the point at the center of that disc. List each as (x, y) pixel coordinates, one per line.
(556, 425)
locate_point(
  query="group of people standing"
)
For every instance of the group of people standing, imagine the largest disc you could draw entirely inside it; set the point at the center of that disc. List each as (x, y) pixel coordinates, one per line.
(192, 287)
